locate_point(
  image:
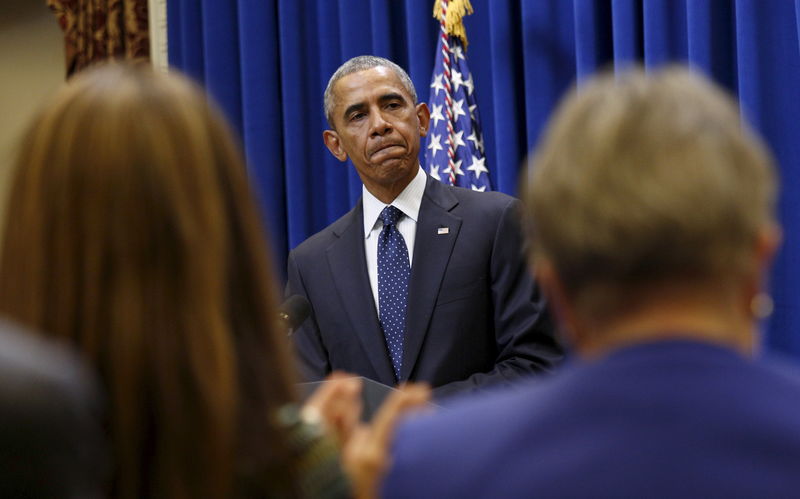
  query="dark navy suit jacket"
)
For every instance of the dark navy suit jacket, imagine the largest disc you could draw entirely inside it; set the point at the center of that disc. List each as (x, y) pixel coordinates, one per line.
(474, 318)
(663, 420)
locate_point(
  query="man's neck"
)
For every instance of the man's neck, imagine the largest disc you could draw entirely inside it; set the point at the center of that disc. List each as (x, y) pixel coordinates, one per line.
(687, 314)
(386, 193)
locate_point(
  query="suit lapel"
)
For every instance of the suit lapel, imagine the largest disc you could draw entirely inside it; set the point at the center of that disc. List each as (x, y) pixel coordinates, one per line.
(348, 265)
(432, 251)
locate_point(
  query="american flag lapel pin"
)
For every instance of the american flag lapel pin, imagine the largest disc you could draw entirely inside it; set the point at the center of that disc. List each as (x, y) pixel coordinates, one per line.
(443, 230)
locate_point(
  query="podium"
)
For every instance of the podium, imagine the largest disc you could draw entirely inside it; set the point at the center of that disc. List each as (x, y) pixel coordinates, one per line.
(372, 394)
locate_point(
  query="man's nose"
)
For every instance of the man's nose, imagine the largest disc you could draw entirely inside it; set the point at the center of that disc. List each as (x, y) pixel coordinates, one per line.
(378, 124)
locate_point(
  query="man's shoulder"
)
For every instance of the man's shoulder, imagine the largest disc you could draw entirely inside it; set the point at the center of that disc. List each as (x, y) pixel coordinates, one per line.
(781, 366)
(467, 200)
(467, 427)
(322, 239)
(489, 198)
(779, 381)
(463, 412)
(463, 417)
(615, 421)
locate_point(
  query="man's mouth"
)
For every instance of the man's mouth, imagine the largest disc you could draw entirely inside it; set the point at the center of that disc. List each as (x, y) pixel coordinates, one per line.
(385, 149)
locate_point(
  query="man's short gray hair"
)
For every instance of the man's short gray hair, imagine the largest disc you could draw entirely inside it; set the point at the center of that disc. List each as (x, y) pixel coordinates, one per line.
(645, 178)
(361, 63)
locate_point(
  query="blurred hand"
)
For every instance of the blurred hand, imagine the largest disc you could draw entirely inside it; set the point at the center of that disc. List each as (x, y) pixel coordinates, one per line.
(336, 406)
(365, 455)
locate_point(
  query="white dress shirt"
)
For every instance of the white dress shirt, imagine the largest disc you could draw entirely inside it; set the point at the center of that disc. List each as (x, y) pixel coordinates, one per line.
(408, 202)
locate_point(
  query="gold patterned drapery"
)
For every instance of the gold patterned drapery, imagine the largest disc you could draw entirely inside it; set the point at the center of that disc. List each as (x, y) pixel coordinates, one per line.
(98, 30)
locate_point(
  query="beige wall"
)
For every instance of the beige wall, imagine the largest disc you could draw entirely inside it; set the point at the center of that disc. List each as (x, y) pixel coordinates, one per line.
(31, 68)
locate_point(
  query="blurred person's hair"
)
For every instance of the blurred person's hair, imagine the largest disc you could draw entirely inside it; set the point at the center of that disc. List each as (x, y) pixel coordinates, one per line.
(646, 179)
(132, 232)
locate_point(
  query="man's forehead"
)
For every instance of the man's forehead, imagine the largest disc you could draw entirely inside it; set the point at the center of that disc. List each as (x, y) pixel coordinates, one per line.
(378, 80)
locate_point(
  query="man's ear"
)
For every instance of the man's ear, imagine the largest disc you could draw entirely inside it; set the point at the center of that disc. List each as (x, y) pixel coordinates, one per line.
(768, 241)
(545, 274)
(334, 144)
(424, 116)
(558, 300)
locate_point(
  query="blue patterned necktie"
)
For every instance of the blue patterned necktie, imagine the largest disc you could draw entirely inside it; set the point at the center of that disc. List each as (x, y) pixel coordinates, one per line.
(394, 271)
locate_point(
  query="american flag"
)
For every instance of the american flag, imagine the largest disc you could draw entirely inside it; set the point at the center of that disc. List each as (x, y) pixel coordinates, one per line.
(454, 152)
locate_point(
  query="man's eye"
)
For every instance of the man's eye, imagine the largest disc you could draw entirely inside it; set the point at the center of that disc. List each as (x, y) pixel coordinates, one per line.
(357, 116)
(393, 105)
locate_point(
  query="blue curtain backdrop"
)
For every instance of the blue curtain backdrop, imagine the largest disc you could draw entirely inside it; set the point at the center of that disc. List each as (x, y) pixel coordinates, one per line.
(267, 62)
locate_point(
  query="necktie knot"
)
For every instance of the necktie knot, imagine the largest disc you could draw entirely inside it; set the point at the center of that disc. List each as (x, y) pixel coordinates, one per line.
(390, 215)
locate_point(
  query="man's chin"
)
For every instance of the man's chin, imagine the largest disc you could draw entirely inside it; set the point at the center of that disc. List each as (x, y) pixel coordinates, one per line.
(391, 164)
(395, 170)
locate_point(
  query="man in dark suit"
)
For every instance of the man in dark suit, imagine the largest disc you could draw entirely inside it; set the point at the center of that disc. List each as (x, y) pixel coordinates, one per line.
(652, 240)
(420, 281)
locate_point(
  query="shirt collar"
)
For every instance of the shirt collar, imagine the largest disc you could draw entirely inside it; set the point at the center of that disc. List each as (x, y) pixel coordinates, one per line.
(408, 202)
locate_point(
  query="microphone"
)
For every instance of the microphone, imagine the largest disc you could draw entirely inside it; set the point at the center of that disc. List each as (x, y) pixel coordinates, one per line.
(293, 312)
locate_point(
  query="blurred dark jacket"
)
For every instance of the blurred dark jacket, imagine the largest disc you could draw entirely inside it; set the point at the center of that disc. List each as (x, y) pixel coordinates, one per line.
(51, 439)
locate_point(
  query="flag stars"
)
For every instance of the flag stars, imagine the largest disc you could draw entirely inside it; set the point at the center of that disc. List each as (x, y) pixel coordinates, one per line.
(456, 80)
(456, 168)
(458, 109)
(457, 52)
(478, 166)
(458, 141)
(435, 172)
(437, 83)
(435, 143)
(436, 114)
(473, 138)
(477, 141)
(470, 86)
